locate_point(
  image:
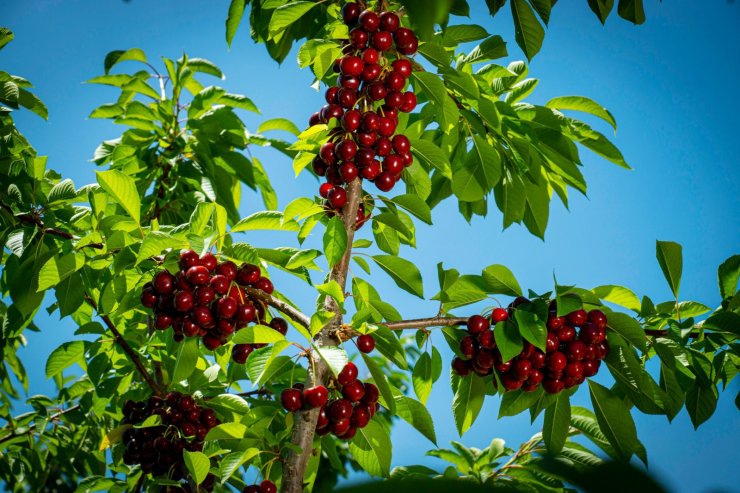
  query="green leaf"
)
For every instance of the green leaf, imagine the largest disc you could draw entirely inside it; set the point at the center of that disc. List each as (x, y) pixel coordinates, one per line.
(186, 359)
(386, 238)
(508, 339)
(257, 334)
(629, 328)
(278, 124)
(432, 156)
(602, 8)
(415, 205)
(64, 356)
(500, 280)
(372, 449)
(333, 289)
(233, 461)
(156, 242)
(632, 10)
(482, 170)
(584, 104)
(198, 465)
(416, 414)
(614, 419)
(513, 403)
(335, 241)
(227, 431)
(728, 274)
(434, 89)
(468, 401)
(6, 36)
(421, 376)
(619, 295)
(122, 188)
(238, 101)
(531, 328)
(490, 49)
(234, 18)
(58, 268)
(266, 221)
(115, 57)
(287, 14)
(64, 190)
(557, 423)
(384, 388)
(701, 402)
(335, 357)
(387, 344)
(405, 274)
(229, 402)
(528, 31)
(463, 33)
(671, 262)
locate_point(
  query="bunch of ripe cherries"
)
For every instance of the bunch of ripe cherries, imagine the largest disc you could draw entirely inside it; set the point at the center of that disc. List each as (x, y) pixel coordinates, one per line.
(363, 106)
(159, 449)
(206, 298)
(576, 344)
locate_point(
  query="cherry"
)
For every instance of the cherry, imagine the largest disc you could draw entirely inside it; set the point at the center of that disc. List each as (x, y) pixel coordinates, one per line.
(364, 157)
(499, 315)
(315, 119)
(237, 293)
(389, 21)
(369, 20)
(184, 301)
(358, 38)
(348, 374)
(403, 67)
(323, 420)
(340, 426)
(348, 171)
(370, 121)
(555, 323)
(485, 360)
(387, 126)
(149, 298)
(371, 393)
(268, 486)
(351, 121)
(590, 368)
(353, 391)
(409, 102)
(337, 197)
(366, 343)
(209, 261)
(468, 346)
(537, 358)
(265, 285)
(326, 151)
(535, 377)
(319, 166)
(324, 189)
(589, 333)
(211, 342)
(565, 333)
(393, 164)
(383, 146)
(574, 369)
(291, 399)
(376, 91)
(226, 307)
(346, 149)
(407, 158)
(557, 361)
(202, 316)
(409, 48)
(553, 386)
(486, 339)
(316, 396)
(349, 82)
(197, 275)
(401, 144)
(188, 258)
(385, 182)
(503, 367)
(403, 36)
(366, 139)
(521, 369)
(552, 342)
(394, 99)
(204, 295)
(370, 56)
(350, 13)
(360, 417)
(163, 282)
(347, 98)
(577, 317)
(220, 284)
(477, 324)
(382, 40)
(162, 321)
(598, 318)
(280, 325)
(241, 352)
(371, 171)
(575, 350)
(591, 352)
(371, 72)
(340, 409)
(511, 382)
(331, 95)
(390, 112)
(603, 349)
(351, 65)
(461, 367)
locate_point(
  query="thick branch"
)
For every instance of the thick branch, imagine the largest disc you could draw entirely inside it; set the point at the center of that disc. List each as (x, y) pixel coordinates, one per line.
(305, 422)
(133, 355)
(32, 426)
(283, 307)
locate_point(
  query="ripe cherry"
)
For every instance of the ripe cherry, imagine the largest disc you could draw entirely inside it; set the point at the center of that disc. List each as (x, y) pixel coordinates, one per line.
(477, 324)
(499, 315)
(340, 426)
(511, 382)
(371, 171)
(535, 377)
(291, 399)
(202, 316)
(371, 393)
(163, 282)
(566, 333)
(370, 121)
(590, 368)
(358, 38)
(389, 21)
(393, 164)
(268, 486)
(552, 342)
(383, 146)
(149, 298)
(486, 339)
(197, 275)
(331, 95)
(211, 342)
(503, 367)
(382, 40)
(348, 374)
(209, 261)
(369, 20)
(323, 420)
(346, 149)
(280, 325)
(409, 102)
(401, 144)
(537, 358)
(241, 352)
(351, 65)
(265, 285)
(370, 73)
(485, 359)
(468, 346)
(376, 91)
(409, 48)
(598, 318)
(370, 56)
(553, 386)
(364, 157)
(403, 36)
(403, 67)
(228, 270)
(347, 98)
(589, 333)
(385, 182)
(188, 258)
(555, 323)
(353, 391)
(204, 295)
(316, 396)
(219, 284)
(557, 361)
(326, 151)
(349, 82)
(351, 121)
(162, 321)
(366, 343)
(350, 13)
(245, 313)
(461, 367)
(577, 317)
(574, 369)
(337, 197)
(360, 417)
(521, 368)
(394, 99)
(190, 328)
(340, 409)
(184, 301)
(575, 350)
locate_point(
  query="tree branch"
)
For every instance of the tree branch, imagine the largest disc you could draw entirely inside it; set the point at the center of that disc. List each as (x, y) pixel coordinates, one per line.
(32, 426)
(133, 355)
(305, 421)
(35, 220)
(281, 306)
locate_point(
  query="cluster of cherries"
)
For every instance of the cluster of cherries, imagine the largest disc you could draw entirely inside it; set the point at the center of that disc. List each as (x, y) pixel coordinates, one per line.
(364, 105)
(341, 416)
(576, 344)
(159, 449)
(265, 486)
(205, 298)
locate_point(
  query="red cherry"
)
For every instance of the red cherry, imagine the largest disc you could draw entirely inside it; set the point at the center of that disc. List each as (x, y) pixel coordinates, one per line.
(366, 343)
(341, 426)
(204, 295)
(364, 157)
(211, 342)
(291, 399)
(323, 420)
(226, 307)
(371, 171)
(162, 321)
(280, 325)
(521, 369)
(353, 391)
(552, 342)
(351, 121)
(537, 358)
(376, 91)
(202, 316)
(499, 315)
(485, 359)
(225, 327)
(348, 171)
(553, 386)
(557, 361)
(409, 102)
(407, 157)
(403, 67)
(369, 20)
(331, 95)
(350, 13)
(389, 21)
(589, 333)
(382, 41)
(163, 282)
(574, 369)
(241, 352)
(219, 284)
(326, 151)
(566, 333)
(555, 323)
(197, 275)
(337, 197)
(511, 382)
(360, 417)
(590, 368)
(315, 119)
(189, 328)
(351, 65)
(315, 396)
(319, 166)
(577, 318)
(410, 48)
(228, 270)
(394, 99)
(188, 258)
(401, 144)
(349, 82)
(184, 301)
(370, 121)
(358, 38)
(383, 146)
(461, 367)
(347, 98)
(370, 56)
(340, 409)
(149, 298)
(486, 339)
(468, 346)
(477, 324)
(598, 318)
(575, 350)
(403, 36)
(393, 164)
(209, 261)
(324, 189)
(535, 377)
(346, 149)
(385, 181)
(371, 72)
(237, 293)
(268, 486)
(265, 285)
(371, 394)
(348, 374)
(245, 313)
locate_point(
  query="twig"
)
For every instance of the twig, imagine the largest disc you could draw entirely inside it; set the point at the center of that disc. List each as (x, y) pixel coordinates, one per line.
(133, 355)
(281, 306)
(32, 426)
(35, 220)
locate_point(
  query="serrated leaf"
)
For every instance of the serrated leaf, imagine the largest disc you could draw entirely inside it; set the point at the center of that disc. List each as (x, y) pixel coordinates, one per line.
(415, 206)
(287, 14)
(531, 328)
(265, 221)
(227, 431)
(335, 241)
(405, 274)
(528, 31)
(198, 465)
(500, 280)
(421, 377)
(619, 295)
(64, 356)
(372, 449)
(233, 461)
(415, 414)
(335, 357)
(122, 188)
(56, 269)
(230, 402)
(728, 274)
(387, 344)
(584, 104)
(278, 124)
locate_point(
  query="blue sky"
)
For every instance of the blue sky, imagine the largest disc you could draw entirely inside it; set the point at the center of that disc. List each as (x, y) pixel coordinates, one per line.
(669, 83)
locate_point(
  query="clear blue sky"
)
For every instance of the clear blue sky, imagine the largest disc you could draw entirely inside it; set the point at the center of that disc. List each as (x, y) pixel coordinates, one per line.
(671, 84)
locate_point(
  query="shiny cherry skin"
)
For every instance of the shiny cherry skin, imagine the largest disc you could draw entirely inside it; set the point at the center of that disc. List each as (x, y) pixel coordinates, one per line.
(316, 396)
(366, 343)
(348, 374)
(291, 399)
(164, 283)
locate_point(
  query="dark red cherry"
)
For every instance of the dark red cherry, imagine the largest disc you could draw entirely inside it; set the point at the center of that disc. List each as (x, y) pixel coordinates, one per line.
(499, 315)
(401, 144)
(184, 301)
(350, 121)
(575, 350)
(358, 38)
(164, 283)
(248, 274)
(188, 258)
(323, 420)
(211, 342)
(403, 67)
(385, 182)
(410, 48)
(350, 13)
(265, 285)
(351, 65)
(382, 41)
(468, 346)
(511, 382)
(486, 339)
(205, 295)
(389, 21)
(349, 82)
(340, 409)
(369, 20)
(371, 171)
(383, 146)
(241, 352)
(341, 426)
(366, 343)
(316, 396)
(461, 367)
(409, 102)
(348, 374)
(577, 318)
(347, 98)
(331, 95)
(394, 99)
(353, 391)
(552, 342)
(364, 157)
(590, 368)
(371, 72)
(219, 284)
(360, 417)
(197, 275)
(149, 298)
(598, 318)
(477, 324)
(337, 197)
(348, 171)
(556, 361)
(535, 377)
(376, 91)
(521, 368)
(291, 399)
(394, 164)
(370, 121)
(574, 369)
(566, 333)
(209, 261)
(366, 139)
(537, 358)
(553, 386)
(387, 126)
